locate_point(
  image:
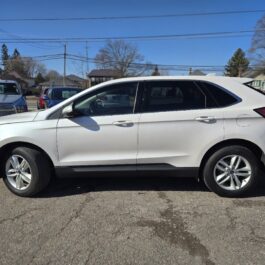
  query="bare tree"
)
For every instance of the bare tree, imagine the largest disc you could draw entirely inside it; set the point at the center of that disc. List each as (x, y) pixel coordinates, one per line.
(257, 50)
(33, 67)
(123, 57)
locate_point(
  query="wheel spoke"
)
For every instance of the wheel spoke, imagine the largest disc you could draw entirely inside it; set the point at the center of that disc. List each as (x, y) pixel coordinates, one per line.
(19, 182)
(24, 165)
(233, 161)
(238, 162)
(243, 174)
(26, 177)
(221, 176)
(221, 167)
(14, 162)
(224, 180)
(238, 183)
(11, 173)
(232, 183)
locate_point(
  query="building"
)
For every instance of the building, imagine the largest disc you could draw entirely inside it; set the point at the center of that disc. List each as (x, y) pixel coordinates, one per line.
(259, 78)
(70, 81)
(196, 72)
(98, 76)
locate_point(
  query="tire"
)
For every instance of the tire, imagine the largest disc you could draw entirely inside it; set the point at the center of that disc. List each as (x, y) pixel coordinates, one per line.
(225, 181)
(18, 180)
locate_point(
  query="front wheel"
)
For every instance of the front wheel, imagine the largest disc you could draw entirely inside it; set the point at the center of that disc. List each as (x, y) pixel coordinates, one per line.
(26, 171)
(232, 171)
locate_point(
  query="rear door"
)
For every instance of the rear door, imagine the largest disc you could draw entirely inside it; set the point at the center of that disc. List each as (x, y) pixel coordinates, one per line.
(177, 123)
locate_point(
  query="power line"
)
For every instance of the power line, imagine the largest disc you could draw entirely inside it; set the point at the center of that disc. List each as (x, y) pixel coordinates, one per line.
(135, 17)
(139, 37)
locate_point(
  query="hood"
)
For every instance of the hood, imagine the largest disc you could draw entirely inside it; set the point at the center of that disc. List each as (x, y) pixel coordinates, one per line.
(9, 99)
(21, 117)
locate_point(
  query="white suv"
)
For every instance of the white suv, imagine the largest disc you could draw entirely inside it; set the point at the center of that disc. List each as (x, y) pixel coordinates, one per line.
(211, 128)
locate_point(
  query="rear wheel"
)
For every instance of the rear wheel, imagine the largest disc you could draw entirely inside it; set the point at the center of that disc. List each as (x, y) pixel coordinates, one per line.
(26, 171)
(232, 171)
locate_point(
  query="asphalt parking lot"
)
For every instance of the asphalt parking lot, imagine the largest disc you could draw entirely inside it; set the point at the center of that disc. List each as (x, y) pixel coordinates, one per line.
(131, 221)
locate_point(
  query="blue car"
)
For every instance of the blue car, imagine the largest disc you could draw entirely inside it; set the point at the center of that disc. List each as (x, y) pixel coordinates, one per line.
(12, 99)
(56, 95)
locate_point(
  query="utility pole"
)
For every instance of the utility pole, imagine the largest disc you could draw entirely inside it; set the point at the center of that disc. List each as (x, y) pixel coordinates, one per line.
(87, 67)
(64, 70)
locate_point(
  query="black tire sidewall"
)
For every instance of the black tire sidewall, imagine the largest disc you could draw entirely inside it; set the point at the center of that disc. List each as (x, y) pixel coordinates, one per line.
(208, 171)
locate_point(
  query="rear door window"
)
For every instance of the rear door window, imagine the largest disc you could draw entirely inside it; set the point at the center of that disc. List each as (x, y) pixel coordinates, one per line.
(161, 96)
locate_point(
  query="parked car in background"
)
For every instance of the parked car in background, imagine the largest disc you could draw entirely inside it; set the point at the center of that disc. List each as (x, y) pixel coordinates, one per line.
(41, 100)
(12, 99)
(210, 128)
(56, 95)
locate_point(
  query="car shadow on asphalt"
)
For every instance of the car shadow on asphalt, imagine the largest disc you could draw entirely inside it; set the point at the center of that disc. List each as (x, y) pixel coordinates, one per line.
(77, 186)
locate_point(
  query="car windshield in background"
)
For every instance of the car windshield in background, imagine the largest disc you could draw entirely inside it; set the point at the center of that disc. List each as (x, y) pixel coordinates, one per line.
(9, 89)
(250, 85)
(62, 94)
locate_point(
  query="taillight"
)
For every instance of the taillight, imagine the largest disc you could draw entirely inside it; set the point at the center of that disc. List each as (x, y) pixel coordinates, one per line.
(261, 111)
(41, 102)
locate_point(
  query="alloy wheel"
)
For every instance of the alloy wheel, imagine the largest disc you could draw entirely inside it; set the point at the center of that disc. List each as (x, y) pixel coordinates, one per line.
(232, 172)
(18, 172)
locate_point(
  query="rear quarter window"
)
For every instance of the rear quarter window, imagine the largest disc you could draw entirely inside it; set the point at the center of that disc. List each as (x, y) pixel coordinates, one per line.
(221, 96)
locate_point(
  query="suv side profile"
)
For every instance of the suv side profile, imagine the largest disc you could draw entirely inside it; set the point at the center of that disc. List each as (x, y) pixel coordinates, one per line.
(211, 128)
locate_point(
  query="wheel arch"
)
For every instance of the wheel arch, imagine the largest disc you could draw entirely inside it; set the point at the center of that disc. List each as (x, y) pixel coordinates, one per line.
(13, 145)
(250, 145)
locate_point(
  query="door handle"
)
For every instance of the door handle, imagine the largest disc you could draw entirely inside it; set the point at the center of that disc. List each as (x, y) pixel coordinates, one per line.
(123, 123)
(206, 119)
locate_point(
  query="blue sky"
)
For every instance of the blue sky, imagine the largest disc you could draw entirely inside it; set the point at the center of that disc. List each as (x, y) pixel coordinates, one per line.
(215, 51)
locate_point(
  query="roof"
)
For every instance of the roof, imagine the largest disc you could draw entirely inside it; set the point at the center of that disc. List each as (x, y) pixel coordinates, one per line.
(8, 81)
(197, 72)
(104, 73)
(75, 78)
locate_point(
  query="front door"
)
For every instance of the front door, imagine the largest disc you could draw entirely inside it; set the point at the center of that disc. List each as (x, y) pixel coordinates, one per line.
(105, 130)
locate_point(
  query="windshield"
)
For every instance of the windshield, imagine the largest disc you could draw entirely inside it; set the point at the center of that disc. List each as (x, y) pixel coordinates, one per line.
(250, 85)
(9, 89)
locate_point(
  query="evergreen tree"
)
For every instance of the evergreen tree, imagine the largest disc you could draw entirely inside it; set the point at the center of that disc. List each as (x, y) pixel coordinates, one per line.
(39, 78)
(237, 65)
(156, 71)
(16, 54)
(4, 55)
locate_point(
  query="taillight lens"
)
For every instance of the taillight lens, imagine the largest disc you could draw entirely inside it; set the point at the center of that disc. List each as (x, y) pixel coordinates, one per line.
(261, 111)
(41, 102)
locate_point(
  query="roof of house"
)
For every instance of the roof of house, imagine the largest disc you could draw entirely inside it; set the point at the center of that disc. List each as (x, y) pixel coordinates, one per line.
(197, 72)
(75, 78)
(104, 73)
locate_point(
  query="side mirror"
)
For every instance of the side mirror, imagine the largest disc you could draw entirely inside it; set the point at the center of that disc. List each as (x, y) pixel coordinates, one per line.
(68, 112)
(45, 97)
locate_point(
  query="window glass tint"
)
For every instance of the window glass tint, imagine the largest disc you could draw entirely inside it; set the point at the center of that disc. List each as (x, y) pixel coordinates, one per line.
(112, 100)
(172, 95)
(221, 96)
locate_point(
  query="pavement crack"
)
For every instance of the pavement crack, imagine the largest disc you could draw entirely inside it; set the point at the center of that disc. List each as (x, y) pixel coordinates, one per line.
(76, 214)
(172, 229)
(17, 217)
(232, 220)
